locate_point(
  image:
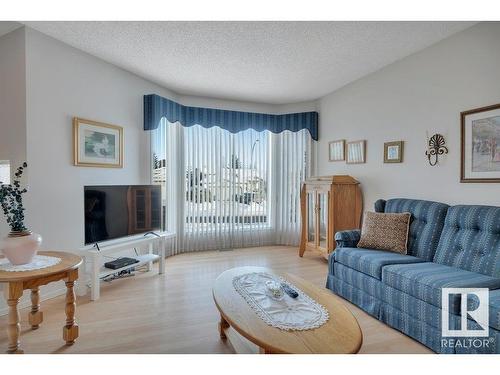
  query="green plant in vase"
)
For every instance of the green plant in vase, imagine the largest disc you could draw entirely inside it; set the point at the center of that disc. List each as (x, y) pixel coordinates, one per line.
(11, 199)
(21, 245)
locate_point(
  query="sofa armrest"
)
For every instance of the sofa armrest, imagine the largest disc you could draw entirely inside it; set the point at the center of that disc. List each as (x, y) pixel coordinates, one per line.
(348, 238)
(380, 205)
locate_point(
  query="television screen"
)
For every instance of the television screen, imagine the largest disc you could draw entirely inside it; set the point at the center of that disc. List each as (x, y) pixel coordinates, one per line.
(121, 210)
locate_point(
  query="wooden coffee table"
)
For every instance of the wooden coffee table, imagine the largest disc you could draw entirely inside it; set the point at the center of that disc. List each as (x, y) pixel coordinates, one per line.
(17, 282)
(341, 334)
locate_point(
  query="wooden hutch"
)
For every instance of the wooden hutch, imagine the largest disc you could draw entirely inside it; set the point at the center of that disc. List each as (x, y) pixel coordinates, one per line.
(144, 212)
(328, 204)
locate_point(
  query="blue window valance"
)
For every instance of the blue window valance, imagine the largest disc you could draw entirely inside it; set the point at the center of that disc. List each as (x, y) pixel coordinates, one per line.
(157, 107)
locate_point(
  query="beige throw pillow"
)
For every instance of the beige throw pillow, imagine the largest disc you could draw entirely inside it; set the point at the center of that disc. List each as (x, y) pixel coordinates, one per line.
(385, 231)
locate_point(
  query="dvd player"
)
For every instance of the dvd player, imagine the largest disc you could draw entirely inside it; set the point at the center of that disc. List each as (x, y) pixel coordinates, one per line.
(120, 262)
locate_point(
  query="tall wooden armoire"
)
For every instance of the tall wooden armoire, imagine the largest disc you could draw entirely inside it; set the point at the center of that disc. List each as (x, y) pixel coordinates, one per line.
(328, 204)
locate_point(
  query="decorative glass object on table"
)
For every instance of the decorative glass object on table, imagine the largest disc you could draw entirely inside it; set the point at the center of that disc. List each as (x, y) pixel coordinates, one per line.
(274, 290)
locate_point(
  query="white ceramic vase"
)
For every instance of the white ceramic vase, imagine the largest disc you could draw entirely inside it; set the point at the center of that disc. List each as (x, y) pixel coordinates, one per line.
(20, 247)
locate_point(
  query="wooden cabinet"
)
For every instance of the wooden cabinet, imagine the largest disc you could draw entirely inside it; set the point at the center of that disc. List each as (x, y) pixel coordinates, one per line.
(328, 204)
(144, 205)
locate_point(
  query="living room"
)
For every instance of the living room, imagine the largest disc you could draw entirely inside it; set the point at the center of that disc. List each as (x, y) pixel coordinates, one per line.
(229, 186)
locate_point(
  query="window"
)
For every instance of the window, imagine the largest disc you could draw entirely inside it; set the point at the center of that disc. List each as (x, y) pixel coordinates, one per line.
(224, 189)
(226, 179)
(5, 172)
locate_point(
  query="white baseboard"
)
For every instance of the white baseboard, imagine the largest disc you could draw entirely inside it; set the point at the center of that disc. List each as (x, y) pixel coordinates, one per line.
(43, 297)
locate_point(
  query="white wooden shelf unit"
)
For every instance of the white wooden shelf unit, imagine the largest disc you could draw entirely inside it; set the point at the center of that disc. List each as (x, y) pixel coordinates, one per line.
(95, 258)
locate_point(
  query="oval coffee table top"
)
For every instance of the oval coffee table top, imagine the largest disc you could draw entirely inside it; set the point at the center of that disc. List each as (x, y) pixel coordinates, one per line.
(68, 262)
(341, 334)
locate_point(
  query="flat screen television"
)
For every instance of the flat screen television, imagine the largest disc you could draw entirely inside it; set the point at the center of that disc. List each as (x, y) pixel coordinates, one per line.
(121, 210)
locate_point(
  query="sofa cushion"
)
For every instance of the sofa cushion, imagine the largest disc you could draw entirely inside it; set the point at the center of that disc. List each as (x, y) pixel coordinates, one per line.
(471, 239)
(427, 220)
(370, 261)
(425, 281)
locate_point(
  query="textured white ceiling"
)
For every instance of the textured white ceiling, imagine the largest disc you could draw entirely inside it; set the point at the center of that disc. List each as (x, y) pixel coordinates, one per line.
(269, 62)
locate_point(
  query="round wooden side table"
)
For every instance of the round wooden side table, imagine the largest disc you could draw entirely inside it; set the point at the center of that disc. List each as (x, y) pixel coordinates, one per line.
(19, 281)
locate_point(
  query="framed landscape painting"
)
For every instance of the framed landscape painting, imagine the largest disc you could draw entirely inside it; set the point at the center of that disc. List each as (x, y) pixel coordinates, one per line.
(97, 144)
(393, 152)
(480, 129)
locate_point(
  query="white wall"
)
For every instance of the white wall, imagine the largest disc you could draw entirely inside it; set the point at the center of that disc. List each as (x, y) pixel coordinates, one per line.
(233, 105)
(58, 83)
(423, 92)
(12, 103)
(63, 82)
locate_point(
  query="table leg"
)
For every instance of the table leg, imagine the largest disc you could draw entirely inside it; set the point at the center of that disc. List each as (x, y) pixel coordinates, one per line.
(223, 325)
(35, 317)
(161, 265)
(13, 293)
(70, 330)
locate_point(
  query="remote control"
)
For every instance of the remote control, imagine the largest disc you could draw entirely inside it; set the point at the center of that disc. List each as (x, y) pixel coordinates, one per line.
(292, 293)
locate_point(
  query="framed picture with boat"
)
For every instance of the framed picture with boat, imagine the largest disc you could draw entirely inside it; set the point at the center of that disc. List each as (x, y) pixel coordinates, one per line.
(97, 144)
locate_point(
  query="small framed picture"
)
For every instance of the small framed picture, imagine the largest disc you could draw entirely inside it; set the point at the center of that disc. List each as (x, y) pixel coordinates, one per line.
(336, 150)
(356, 152)
(481, 144)
(393, 152)
(97, 144)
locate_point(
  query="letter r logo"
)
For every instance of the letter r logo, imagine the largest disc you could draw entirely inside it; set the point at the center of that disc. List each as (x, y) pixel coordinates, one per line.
(478, 312)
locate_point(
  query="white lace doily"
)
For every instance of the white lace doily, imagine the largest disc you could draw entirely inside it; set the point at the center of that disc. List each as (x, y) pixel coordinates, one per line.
(298, 314)
(39, 262)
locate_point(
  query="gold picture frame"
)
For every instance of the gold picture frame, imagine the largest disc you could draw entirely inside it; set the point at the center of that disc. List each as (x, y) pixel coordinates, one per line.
(97, 144)
(480, 145)
(356, 152)
(336, 150)
(393, 152)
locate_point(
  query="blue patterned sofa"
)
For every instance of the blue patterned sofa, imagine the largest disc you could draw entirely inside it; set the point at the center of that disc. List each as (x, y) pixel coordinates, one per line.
(457, 246)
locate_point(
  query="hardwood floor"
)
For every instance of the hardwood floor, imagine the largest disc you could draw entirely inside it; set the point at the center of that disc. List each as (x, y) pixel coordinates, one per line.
(175, 313)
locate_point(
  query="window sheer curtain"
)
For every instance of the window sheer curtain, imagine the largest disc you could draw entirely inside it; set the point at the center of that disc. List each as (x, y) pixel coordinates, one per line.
(224, 190)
